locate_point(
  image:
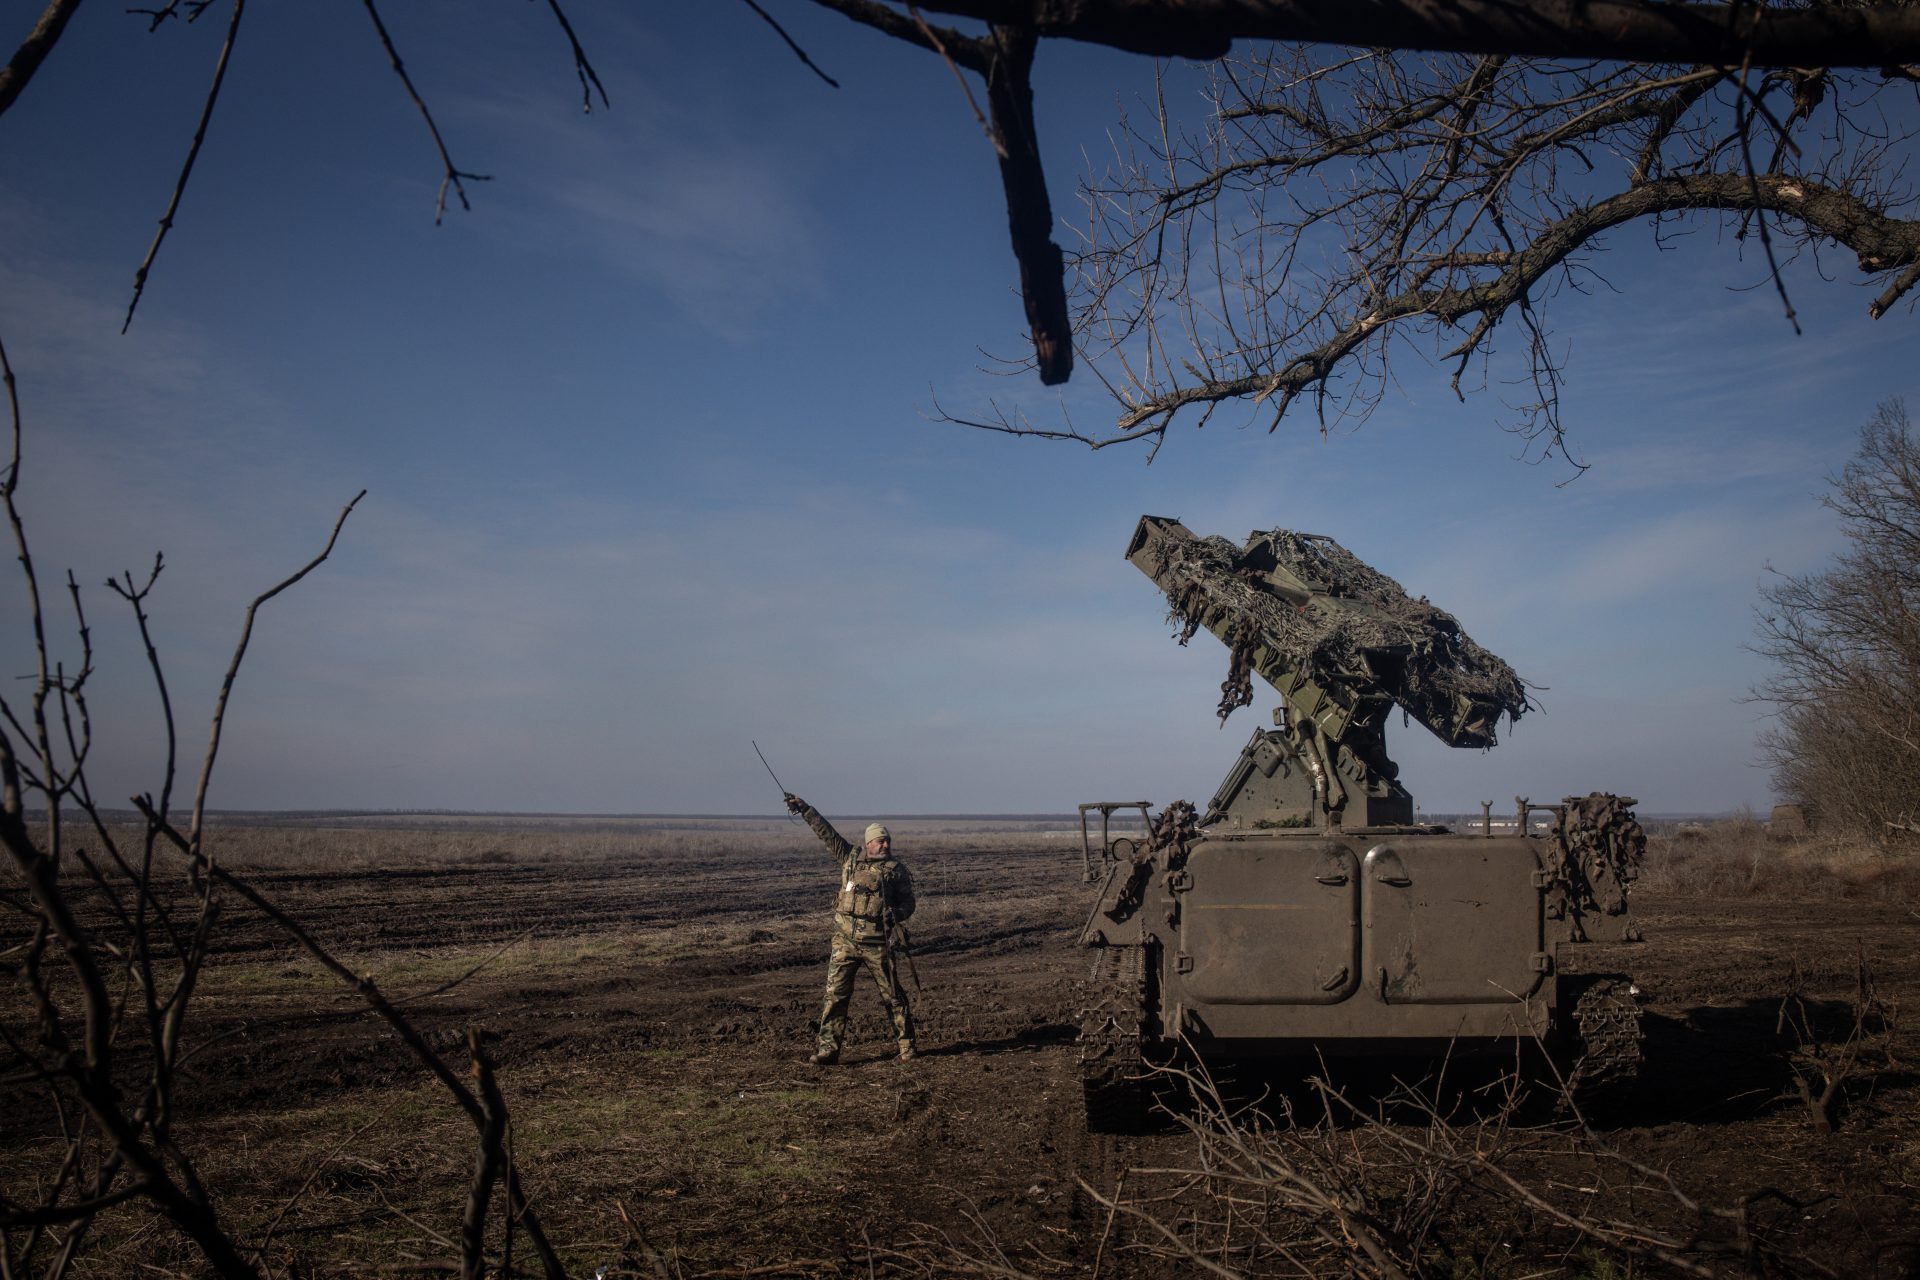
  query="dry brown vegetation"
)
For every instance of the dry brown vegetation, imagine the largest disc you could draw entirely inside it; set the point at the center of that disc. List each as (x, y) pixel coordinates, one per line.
(1737, 858)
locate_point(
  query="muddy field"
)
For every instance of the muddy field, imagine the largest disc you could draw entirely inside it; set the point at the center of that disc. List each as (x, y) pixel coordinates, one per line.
(648, 1001)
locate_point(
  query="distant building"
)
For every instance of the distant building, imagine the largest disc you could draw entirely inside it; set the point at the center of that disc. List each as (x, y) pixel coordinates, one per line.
(1789, 820)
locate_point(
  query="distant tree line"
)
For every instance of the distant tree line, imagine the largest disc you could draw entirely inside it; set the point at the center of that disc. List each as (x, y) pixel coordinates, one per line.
(1845, 644)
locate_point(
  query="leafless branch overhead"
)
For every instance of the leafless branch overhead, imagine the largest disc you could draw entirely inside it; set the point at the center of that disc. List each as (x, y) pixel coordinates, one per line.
(1340, 212)
(186, 167)
(33, 51)
(1759, 35)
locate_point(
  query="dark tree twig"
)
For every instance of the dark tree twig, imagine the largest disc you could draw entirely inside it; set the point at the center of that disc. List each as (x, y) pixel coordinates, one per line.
(186, 169)
(798, 52)
(589, 78)
(488, 1162)
(450, 175)
(196, 827)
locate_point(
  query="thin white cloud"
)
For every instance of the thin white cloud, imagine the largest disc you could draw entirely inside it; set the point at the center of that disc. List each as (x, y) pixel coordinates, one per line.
(1694, 551)
(716, 220)
(1703, 460)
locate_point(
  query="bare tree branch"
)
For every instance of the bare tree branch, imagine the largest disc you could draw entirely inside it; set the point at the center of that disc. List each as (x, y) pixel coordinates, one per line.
(1867, 35)
(450, 175)
(233, 670)
(939, 47)
(969, 51)
(368, 990)
(1879, 242)
(33, 51)
(1844, 642)
(1333, 212)
(186, 168)
(1029, 213)
(582, 68)
(798, 52)
(488, 1163)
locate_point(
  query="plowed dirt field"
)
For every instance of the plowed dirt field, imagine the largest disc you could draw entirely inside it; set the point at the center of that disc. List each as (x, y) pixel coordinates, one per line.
(649, 1010)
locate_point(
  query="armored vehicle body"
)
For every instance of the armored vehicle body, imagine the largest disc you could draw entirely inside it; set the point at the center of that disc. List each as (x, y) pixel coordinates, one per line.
(1305, 912)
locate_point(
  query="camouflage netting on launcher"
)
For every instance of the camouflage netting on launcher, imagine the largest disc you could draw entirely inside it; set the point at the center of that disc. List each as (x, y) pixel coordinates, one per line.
(1358, 630)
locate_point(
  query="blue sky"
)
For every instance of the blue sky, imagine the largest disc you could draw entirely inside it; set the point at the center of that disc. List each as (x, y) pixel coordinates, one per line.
(649, 461)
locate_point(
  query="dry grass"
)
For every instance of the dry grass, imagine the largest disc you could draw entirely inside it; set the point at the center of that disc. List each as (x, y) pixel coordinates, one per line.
(1737, 859)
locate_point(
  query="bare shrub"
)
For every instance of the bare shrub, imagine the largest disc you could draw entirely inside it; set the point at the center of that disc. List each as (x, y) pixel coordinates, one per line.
(1836, 1048)
(1401, 1188)
(104, 936)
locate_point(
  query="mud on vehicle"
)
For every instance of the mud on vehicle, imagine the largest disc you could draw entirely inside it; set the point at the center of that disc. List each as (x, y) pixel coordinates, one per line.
(1305, 913)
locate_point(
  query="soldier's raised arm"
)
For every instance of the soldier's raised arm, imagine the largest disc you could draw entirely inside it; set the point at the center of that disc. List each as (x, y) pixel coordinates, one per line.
(838, 845)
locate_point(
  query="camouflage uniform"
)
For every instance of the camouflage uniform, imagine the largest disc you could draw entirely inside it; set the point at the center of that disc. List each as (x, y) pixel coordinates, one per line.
(875, 894)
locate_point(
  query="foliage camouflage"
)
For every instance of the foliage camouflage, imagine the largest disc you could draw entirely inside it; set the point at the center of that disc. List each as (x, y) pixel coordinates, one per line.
(1318, 610)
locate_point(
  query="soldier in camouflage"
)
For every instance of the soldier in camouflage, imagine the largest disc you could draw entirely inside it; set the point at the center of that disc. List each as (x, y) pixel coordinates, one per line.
(876, 894)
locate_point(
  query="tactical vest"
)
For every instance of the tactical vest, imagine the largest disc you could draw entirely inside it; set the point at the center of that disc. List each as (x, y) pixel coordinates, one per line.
(866, 893)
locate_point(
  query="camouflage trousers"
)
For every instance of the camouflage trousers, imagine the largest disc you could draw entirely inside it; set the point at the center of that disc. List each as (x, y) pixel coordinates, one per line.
(848, 959)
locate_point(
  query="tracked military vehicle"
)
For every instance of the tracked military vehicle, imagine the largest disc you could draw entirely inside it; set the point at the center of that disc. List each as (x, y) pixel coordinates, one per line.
(1305, 912)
